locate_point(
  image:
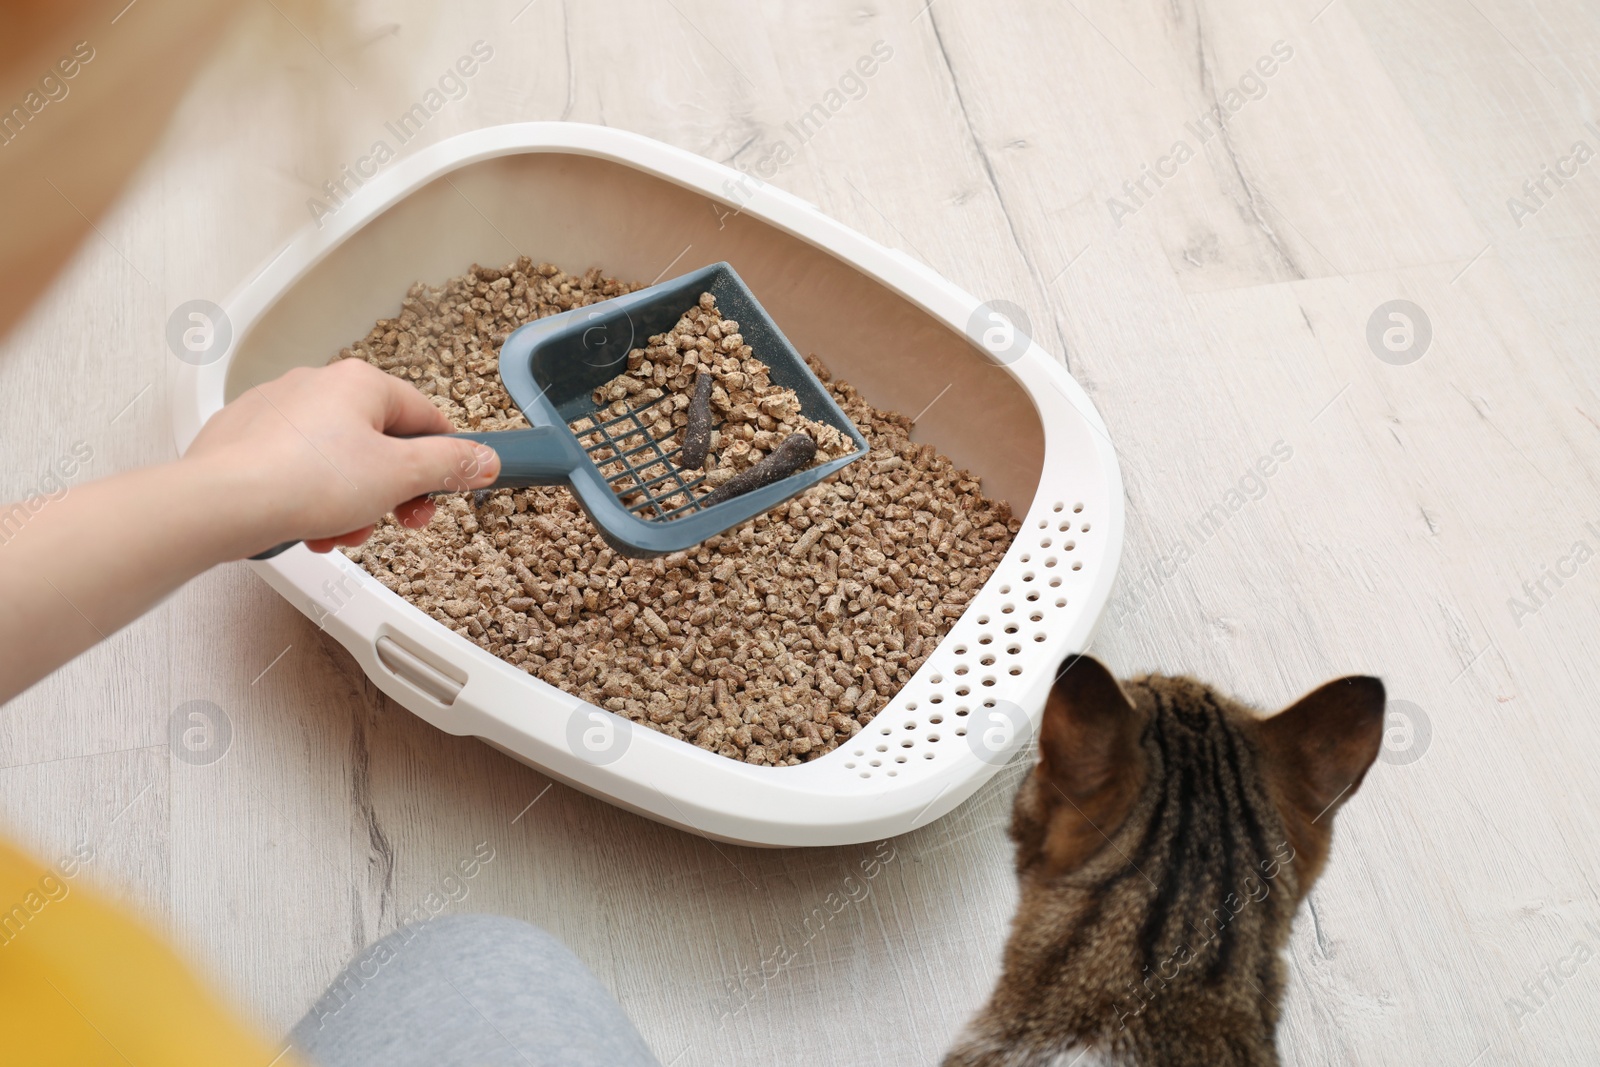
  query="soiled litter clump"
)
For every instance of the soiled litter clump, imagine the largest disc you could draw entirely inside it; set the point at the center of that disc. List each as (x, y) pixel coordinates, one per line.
(771, 644)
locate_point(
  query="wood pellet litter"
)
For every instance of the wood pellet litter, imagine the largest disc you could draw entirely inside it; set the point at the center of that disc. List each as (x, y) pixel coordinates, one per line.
(770, 644)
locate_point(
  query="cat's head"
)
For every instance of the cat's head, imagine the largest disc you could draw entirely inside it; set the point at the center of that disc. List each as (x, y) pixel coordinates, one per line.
(1194, 758)
(1164, 840)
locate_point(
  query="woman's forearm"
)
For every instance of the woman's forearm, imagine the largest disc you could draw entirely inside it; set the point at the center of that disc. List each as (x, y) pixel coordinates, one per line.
(87, 563)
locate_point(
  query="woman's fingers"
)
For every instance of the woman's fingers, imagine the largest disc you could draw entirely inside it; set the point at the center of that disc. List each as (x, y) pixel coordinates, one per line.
(406, 412)
(344, 540)
(415, 513)
(451, 464)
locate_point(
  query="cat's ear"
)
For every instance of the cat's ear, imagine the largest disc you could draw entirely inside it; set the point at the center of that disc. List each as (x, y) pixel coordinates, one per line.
(1089, 739)
(1319, 748)
(1090, 765)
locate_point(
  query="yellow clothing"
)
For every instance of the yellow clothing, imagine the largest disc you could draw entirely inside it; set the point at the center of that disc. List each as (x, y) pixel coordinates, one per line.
(81, 983)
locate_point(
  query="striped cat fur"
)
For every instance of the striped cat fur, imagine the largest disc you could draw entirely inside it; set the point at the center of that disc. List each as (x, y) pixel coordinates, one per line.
(1163, 843)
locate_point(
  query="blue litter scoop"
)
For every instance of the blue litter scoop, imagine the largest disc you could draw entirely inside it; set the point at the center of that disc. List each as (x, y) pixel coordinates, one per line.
(627, 478)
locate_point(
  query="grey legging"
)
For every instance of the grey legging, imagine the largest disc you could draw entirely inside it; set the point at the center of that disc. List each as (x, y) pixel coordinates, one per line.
(478, 990)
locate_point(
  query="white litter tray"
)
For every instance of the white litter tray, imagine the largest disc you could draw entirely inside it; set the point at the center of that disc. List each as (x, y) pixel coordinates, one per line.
(582, 196)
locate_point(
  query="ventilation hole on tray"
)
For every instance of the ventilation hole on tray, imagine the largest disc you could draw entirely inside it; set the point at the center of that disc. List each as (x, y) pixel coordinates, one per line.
(876, 763)
(961, 650)
(885, 730)
(1011, 629)
(983, 620)
(1069, 546)
(866, 774)
(1077, 566)
(1015, 671)
(962, 691)
(989, 681)
(961, 711)
(985, 639)
(1051, 562)
(936, 699)
(933, 737)
(1007, 609)
(883, 748)
(898, 759)
(1038, 636)
(927, 755)
(1005, 589)
(911, 705)
(1028, 577)
(907, 743)
(1084, 527)
(1033, 596)
(936, 679)
(1012, 650)
(850, 766)
(1064, 527)
(987, 661)
(893, 773)
(1045, 543)
(1026, 557)
(1057, 580)
(1058, 506)
(1043, 523)
(1061, 602)
(936, 719)
(908, 726)
(1036, 617)
(961, 731)
(1077, 508)
(961, 669)
(861, 752)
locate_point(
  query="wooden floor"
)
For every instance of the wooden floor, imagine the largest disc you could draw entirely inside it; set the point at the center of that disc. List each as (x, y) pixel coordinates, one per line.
(1426, 527)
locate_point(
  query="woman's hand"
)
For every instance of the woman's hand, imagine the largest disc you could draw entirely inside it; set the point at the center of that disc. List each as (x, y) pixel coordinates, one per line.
(317, 455)
(328, 451)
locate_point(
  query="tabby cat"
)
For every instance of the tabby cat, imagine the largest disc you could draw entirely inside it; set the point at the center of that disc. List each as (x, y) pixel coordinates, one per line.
(1164, 840)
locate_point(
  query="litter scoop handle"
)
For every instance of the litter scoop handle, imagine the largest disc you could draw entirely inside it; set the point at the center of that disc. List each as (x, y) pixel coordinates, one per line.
(543, 455)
